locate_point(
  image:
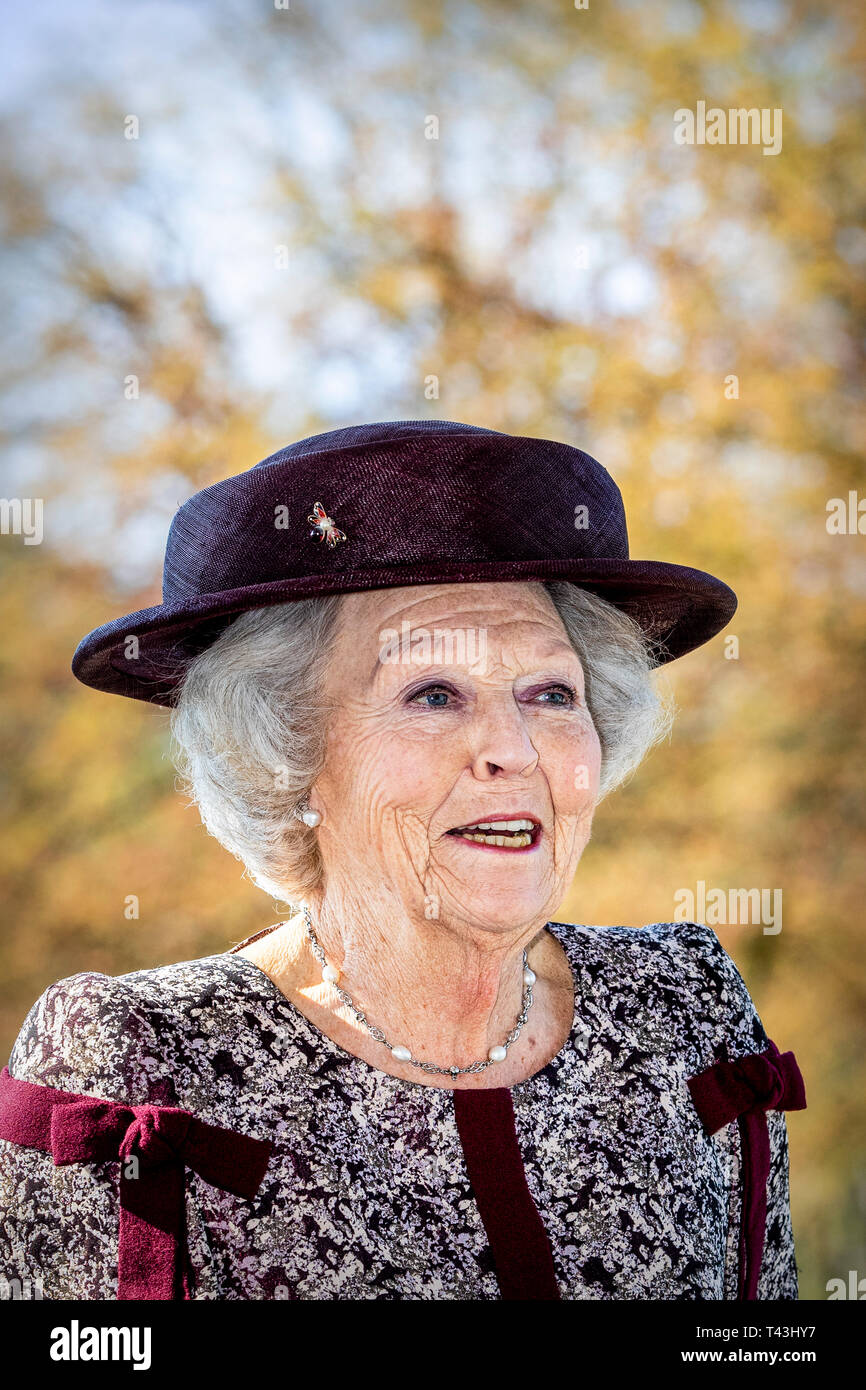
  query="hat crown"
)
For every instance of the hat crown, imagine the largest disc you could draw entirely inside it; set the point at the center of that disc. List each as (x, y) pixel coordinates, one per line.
(379, 432)
(404, 494)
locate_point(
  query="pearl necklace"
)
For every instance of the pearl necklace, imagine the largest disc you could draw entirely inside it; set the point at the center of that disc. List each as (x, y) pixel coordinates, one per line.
(331, 976)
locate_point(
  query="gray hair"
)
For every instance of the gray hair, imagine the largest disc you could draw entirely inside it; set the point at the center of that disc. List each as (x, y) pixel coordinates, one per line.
(249, 725)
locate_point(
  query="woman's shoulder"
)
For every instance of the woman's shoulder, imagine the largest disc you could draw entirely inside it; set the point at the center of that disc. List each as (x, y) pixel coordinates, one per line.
(115, 1035)
(683, 943)
(676, 970)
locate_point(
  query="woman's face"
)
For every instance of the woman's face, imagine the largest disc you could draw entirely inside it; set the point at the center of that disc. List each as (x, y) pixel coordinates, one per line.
(454, 704)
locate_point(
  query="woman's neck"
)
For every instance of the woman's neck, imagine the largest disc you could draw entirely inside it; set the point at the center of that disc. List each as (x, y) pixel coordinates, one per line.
(446, 993)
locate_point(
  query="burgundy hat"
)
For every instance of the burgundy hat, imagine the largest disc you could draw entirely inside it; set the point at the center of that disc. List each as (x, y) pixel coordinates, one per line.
(384, 505)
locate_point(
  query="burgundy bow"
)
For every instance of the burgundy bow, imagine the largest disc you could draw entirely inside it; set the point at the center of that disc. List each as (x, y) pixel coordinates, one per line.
(743, 1090)
(154, 1144)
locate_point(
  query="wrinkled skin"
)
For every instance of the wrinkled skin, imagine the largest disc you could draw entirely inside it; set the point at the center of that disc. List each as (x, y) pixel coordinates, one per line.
(427, 930)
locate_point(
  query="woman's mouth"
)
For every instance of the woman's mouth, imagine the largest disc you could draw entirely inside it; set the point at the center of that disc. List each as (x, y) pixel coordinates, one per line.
(521, 833)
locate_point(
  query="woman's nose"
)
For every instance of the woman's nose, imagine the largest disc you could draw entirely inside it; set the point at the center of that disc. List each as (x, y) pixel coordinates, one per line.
(501, 746)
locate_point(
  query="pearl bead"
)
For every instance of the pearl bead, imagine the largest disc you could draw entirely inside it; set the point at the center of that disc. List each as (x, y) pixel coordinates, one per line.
(330, 973)
(497, 1054)
(401, 1053)
(529, 976)
(311, 818)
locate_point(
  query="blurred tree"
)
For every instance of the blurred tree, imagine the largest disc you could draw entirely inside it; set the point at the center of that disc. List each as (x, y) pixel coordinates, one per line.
(475, 211)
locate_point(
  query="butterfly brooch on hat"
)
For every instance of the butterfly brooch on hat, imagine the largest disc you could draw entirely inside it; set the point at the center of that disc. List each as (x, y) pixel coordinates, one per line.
(324, 526)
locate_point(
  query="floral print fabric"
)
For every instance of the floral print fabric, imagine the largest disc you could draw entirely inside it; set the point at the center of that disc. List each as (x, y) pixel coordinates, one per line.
(367, 1194)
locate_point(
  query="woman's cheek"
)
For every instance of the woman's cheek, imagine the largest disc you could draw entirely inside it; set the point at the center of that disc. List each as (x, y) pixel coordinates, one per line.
(415, 773)
(574, 768)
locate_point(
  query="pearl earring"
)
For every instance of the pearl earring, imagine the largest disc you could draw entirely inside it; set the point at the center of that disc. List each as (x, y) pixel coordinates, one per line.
(311, 818)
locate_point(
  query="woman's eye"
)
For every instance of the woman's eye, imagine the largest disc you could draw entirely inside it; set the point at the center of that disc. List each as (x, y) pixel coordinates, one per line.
(564, 692)
(440, 697)
(436, 697)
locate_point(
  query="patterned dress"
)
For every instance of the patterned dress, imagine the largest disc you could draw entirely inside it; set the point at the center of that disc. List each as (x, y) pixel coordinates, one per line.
(374, 1185)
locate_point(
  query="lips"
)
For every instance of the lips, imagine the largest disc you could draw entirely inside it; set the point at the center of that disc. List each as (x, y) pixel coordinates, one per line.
(510, 832)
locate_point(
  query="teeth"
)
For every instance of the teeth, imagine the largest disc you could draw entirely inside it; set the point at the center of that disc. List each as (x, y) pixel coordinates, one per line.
(510, 834)
(501, 825)
(507, 841)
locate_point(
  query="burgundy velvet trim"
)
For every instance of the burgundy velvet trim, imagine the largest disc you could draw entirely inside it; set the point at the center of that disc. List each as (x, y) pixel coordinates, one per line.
(743, 1090)
(153, 1144)
(518, 1240)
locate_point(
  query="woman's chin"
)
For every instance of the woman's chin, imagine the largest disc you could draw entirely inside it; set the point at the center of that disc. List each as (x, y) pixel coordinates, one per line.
(512, 881)
(500, 904)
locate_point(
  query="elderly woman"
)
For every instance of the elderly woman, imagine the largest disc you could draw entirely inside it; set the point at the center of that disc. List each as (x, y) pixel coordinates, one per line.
(405, 662)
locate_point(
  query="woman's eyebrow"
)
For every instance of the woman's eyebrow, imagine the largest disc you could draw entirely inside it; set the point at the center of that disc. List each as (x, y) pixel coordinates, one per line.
(418, 670)
(555, 651)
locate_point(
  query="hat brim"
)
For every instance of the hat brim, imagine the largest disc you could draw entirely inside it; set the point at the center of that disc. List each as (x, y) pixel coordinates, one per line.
(679, 609)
